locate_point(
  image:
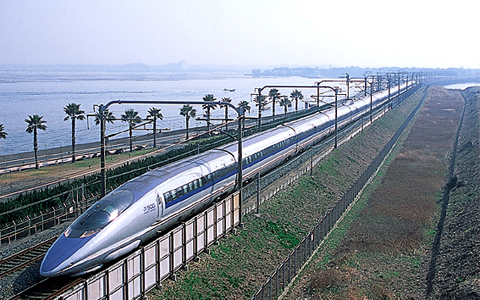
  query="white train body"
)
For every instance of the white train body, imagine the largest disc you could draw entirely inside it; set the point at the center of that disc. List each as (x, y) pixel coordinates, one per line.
(155, 201)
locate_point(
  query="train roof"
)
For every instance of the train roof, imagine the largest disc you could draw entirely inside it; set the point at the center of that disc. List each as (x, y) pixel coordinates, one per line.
(206, 162)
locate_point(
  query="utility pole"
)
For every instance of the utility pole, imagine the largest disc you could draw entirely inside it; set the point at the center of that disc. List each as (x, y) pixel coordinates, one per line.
(102, 116)
(103, 179)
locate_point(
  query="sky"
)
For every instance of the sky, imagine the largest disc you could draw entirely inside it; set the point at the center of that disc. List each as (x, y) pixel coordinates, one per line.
(368, 33)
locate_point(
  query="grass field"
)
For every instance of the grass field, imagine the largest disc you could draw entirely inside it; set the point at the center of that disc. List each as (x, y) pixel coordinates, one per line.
(381, 250)
(240, 264)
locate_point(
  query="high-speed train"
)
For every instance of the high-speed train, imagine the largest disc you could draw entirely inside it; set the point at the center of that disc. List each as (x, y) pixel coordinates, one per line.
(155, 201)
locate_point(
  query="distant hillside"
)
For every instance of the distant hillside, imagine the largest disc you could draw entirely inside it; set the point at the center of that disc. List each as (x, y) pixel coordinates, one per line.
(352, 71)
(181, 66)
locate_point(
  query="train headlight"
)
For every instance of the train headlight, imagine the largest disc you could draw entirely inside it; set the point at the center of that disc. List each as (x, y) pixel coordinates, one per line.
(90, 232)
(68, 231)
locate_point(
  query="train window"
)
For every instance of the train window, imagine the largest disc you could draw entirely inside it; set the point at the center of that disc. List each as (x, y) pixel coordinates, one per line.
(185, 189)
(167, 196)
(174, 194)
(191, 186)
(101, 214)
(179, 192)
(209, 177)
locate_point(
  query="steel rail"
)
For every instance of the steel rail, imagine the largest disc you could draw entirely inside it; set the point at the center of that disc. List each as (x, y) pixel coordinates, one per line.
(24, 258)
(48, 289)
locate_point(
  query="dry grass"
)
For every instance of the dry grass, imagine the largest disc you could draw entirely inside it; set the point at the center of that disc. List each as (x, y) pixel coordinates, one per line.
(395, 217)
(393, 223)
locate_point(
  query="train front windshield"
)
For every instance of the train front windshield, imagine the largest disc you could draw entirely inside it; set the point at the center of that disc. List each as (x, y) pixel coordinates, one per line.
(100, 214)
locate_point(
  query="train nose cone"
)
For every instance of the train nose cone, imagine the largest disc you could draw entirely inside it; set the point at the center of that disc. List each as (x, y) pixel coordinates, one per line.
(59, 256)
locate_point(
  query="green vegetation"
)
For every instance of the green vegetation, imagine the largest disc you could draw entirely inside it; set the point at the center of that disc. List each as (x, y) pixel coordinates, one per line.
(115, 177)
(379, 249)
(241, 263)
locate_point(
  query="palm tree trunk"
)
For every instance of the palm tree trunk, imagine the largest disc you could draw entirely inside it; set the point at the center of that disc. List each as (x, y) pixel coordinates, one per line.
(35, 147)
(208, 120)
(273, 109)
(131, 144)
(226, 118)
(154, 132)
(259, 117)
(73, 140)
(187, 127)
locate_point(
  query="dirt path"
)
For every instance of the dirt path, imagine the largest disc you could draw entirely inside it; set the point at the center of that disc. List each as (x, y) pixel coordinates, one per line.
(383, 250)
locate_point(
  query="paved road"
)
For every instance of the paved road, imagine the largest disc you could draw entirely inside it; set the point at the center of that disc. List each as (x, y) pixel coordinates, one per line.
(52, 156)
(23, 161)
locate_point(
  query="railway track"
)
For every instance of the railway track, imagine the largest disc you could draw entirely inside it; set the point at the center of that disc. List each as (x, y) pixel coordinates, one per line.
(49, 288)
(25, 258)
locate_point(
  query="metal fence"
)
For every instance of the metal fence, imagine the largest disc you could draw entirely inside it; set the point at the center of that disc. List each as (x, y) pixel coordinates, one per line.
(289, 268)
(75, 205)
(146, 268)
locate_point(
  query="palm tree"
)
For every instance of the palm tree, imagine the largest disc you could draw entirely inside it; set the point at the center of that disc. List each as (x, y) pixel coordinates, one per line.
(246, 107)
(208, 107)
(108, 116)
(102, 117)
(226, 99)
(155, 114)
(273, 94)
(188, 112)
(285, 102)
(132, 118)
(296, 95)
(74, 113)
(261, 102)
(244, 104)
(35, 122)
(3, 134)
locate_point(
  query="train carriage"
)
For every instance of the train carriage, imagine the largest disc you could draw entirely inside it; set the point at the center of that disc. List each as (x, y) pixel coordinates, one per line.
(157, 200)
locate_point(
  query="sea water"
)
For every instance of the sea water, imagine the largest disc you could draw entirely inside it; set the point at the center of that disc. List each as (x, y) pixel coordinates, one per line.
(46, 93)
(461, 86)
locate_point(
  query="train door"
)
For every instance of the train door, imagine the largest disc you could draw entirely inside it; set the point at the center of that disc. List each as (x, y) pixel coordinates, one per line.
(160, 206)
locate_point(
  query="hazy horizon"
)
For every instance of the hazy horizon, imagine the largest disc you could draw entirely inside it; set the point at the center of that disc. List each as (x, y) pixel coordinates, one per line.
(265, 33)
